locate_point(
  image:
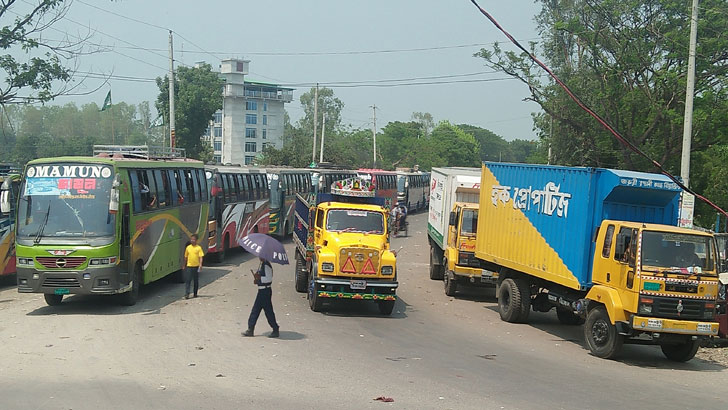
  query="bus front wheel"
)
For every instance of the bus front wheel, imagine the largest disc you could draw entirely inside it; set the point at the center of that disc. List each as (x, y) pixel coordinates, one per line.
(130, 298)
(53, 300)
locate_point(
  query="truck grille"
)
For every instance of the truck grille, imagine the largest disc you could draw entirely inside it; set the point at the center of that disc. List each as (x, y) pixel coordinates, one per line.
(61, 282)
(468, 259)
(359, 261)
(668, 308)
(52, 262)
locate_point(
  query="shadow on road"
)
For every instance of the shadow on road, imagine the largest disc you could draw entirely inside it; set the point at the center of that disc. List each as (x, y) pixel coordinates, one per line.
(631, 355)
(476, 294)
(363, 308)
(153, 297)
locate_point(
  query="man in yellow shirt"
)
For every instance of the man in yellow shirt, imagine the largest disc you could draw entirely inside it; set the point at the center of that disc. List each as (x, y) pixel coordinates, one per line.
(193, 265)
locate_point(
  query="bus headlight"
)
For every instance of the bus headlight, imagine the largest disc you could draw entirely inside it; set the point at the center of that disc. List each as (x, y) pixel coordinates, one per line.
(327, 267)
(102, 261)
(387, 270)
(24, 261)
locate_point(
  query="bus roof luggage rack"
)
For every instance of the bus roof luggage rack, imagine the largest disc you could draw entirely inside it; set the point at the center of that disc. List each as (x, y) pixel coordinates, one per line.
(140, 151)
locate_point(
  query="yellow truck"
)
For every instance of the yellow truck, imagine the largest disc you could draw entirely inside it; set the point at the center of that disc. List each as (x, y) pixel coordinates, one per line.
(342, 247)
(600, 246)
(452, 225)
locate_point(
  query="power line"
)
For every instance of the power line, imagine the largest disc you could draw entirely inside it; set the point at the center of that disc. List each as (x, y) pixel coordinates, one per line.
(122, 16)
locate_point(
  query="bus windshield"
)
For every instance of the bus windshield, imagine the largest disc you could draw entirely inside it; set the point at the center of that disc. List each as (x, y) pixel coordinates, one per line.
(66, 200)
(349, 220)
(676, 251)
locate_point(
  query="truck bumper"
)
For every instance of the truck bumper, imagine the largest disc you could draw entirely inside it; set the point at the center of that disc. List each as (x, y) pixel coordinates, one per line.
(94, 281)
(475, 276)
(342, 289)
(684, 327)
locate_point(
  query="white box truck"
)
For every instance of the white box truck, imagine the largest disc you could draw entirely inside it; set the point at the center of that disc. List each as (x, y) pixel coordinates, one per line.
(451, 229)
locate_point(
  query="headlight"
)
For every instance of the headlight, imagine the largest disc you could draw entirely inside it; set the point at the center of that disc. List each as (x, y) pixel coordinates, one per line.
(102, 261)
(645, 309)
(25, 261)
(645, 305)
(387, 270)
(327, 267)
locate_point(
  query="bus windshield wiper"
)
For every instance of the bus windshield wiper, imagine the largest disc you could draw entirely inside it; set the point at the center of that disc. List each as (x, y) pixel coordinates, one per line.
(39, 235)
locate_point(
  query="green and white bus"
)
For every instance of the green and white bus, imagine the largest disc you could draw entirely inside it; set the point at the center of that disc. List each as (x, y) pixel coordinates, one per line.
(107, 224)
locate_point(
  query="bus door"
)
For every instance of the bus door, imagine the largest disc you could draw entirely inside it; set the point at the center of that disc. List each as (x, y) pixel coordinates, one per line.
(125, 243)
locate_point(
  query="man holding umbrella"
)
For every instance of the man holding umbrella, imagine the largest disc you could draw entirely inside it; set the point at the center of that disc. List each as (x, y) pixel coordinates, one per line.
(267, 250)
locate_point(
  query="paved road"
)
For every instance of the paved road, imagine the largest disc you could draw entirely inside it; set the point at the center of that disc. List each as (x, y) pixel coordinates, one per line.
(434, 352)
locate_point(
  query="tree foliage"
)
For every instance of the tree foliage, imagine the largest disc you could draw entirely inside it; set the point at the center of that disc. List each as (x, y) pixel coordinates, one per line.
(197, 97)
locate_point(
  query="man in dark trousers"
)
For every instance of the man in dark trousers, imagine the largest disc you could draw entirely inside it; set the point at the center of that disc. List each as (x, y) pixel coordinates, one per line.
(264, 279)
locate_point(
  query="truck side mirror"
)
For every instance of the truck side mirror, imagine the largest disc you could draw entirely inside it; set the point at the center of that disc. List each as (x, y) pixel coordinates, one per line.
(453, 219)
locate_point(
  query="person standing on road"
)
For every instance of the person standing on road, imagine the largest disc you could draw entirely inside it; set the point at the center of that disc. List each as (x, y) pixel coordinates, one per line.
(193, 265)
(264, 279)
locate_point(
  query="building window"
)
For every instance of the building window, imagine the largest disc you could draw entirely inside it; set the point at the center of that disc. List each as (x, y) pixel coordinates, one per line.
(218, 132)
(249, 159)
(217, 158)
(265, 120)
(251, 105)
(265, 134)
(251, 147)
(250, 132)
(251, 118)
(217, 145)
(218, 117)
(265, 106)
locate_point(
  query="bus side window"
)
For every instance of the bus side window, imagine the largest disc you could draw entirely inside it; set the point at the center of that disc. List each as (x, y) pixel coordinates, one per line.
(289, 185)
(179, 176)
(235, 187)
(174, 198)
(202, 182)
(151, 202)
(136, 195)
(198, 185)
(225, 187)
(265, 186)
(258, 186)
(190, 185)
(163, 189)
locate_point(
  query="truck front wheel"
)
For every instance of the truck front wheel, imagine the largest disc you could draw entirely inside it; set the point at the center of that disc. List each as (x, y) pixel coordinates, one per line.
(451, 284)
(681, 352)
(436, 268)
(601, 335)
(301, 276)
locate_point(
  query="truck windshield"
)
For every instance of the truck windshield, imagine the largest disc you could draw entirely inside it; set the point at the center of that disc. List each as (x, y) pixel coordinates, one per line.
(677, 251)
(470, 222)
(349, 220)
(66, 200)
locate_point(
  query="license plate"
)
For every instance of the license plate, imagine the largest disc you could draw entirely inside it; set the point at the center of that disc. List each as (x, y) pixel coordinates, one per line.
(61, 291)
(705, 327)
(654, 323)
(358, 284)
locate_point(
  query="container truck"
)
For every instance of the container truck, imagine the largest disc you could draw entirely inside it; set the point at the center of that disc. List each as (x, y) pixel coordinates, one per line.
(451, 229)
(601, 246)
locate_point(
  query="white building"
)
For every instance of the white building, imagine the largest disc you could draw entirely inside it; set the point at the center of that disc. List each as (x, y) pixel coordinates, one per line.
(251, 116)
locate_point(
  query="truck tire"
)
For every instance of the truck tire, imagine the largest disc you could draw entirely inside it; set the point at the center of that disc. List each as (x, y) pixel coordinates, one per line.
(52, 299)
(568, 317)
(601, 335)
(451, 284)
(436, 271)
(301, 276)
(385, 307)
(681, 352)
(509, 301)
(524, 289)
(314, 301)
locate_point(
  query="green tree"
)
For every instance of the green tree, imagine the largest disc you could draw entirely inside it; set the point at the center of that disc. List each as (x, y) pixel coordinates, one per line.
(197, 97)
(328, 105)
(427, 123)
(456, 147)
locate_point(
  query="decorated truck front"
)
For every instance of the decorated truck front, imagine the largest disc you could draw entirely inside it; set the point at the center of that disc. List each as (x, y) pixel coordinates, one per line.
(342, 247)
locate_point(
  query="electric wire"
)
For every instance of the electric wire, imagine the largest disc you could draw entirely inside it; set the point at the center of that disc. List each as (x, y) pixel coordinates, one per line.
(596, 116)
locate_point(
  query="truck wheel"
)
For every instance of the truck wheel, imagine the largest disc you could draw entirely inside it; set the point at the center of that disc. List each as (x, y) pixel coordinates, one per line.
(451, 285)
(130, 298)
(435, 269)
(524, 289)
(601, 335)
(681, 352)
(509, 301)
(385, 307)
(568, 317)
(314, 302)
(301, 274)
(53, 300)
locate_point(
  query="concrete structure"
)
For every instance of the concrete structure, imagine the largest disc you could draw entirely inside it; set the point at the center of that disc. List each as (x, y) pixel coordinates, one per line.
(251, 117)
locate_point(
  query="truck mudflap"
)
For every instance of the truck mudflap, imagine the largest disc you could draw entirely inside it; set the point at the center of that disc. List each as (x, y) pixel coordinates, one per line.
(685, 327)
(355, 289)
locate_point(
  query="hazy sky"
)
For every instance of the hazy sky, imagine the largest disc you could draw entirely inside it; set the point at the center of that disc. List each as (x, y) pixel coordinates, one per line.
(243, 28)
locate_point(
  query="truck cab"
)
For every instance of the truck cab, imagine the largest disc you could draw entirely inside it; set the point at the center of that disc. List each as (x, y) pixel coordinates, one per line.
(657, 284)
(460, 264)
(343, 249)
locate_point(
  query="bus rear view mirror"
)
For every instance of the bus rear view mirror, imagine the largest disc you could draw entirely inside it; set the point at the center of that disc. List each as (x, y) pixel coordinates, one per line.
(5, 202)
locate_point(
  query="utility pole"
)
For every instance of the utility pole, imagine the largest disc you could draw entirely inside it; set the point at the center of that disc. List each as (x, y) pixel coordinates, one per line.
(315, 123)
(323, 134)
(689, 93)
(374, 135)
(171, 93)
